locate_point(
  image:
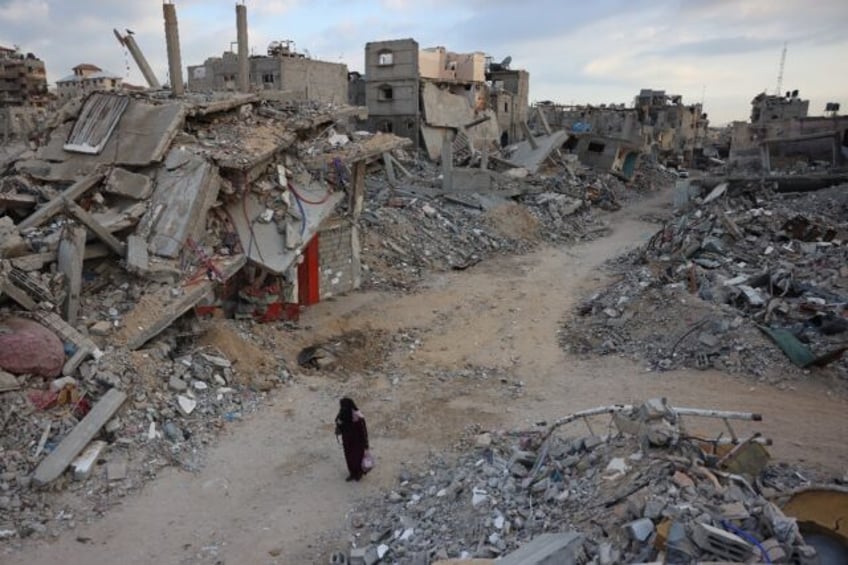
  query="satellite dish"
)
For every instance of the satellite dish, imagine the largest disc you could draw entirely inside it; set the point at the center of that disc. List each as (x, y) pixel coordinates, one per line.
(505, 63)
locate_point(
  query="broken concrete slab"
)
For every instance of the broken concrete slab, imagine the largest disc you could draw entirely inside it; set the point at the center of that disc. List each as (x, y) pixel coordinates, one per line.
(59, 459)
(97, 119)
(524, 155)
(142, 137)
(186, 187)
(85, 462)
(265, 245)
(158, 310)
(122, 182)
(547, 549)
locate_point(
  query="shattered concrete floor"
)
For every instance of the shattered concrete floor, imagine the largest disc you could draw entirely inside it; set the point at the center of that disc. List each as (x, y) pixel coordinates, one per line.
(469, 351)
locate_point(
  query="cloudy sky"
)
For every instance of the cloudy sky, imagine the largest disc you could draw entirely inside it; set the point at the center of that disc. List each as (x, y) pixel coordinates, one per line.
(593, 51)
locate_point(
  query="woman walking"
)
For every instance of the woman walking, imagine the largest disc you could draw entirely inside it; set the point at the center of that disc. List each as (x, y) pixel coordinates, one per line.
(350, 425)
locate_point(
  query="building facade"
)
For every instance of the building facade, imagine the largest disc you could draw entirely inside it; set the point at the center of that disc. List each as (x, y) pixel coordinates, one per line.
(85, 79)
(392, 87)
(671, 129)
(768, 108)
(397, 71)
(23, 79)
(281, 69)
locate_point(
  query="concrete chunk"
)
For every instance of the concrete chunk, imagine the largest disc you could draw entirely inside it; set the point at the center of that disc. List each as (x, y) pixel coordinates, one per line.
(59, 459)
(722, 544)
(132, 185)
(547, 549)
(83, 464)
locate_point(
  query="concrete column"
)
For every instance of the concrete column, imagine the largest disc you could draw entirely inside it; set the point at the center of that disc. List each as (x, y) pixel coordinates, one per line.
(447, 162)
(243, 63)
(128, 41)
(172, 41)
(71, 253)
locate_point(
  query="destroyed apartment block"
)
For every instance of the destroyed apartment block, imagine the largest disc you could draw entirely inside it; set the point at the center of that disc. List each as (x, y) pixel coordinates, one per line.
(166, 198)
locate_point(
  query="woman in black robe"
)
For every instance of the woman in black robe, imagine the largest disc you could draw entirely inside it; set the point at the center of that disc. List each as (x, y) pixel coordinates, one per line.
(350, 425)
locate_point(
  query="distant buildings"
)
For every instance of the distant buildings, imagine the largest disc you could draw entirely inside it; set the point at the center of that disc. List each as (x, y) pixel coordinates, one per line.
(671, 128)
(423, 94)
(85, 79)
(23, 79)
(281, 69)
(781, 133)
(766, 108)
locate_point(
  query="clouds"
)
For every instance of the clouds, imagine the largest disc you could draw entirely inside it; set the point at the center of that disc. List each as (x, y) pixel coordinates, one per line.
(595, 52)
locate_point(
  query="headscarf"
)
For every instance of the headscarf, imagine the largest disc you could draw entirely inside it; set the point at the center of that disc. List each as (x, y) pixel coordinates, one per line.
(347, 410)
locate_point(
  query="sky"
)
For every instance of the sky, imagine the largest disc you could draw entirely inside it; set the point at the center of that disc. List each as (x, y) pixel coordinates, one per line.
(721, 52)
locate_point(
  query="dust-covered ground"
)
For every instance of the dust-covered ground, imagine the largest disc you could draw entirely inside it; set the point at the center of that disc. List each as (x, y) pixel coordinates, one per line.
(468, 351)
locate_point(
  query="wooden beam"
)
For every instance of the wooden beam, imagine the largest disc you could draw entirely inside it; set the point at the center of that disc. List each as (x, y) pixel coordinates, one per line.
(102, 233)
(57, 204)
(169, 308)
(71, 256)
(55, 464)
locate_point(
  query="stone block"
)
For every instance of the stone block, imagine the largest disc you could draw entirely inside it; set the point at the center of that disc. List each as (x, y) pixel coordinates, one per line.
(722, 544)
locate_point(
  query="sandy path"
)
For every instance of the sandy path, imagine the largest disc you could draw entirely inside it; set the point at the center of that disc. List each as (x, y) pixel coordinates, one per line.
(273, 484)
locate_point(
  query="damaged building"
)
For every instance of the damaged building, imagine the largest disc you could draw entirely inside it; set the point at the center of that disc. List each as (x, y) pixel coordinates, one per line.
(607, 137)
(780, 132)
(671, 130)
(23, 79)
(86, 78)
(428, 95)
(282, 68)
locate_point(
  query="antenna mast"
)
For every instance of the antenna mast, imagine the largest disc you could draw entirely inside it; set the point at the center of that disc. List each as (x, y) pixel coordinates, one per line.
(779, 90)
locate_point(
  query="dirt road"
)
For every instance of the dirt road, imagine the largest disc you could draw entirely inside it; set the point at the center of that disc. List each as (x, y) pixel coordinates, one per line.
(273, 486)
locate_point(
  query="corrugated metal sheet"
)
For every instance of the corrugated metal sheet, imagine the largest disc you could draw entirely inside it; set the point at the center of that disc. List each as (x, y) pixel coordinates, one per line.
(98, 118)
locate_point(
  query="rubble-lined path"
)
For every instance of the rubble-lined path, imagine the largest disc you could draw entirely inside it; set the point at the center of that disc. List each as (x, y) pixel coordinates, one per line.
(483, 349)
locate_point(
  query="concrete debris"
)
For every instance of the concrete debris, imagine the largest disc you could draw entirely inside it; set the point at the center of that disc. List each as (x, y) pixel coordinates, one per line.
(126, 220)
(671, 500)
(746, 280)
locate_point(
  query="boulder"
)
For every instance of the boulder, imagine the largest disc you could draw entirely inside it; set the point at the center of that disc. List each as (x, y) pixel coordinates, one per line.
(27, 347)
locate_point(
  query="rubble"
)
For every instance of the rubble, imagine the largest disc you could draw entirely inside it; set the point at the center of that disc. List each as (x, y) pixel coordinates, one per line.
(672, 498)
(743, 279)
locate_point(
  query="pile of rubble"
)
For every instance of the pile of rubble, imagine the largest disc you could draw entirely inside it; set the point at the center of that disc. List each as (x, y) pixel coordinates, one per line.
(742, 279)
(416, 227)
(649, 488)
(123, 215)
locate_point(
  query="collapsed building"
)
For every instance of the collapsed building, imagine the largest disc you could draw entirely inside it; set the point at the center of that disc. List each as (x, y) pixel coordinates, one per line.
(23, 79)
(780, 132)
(611, 137)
